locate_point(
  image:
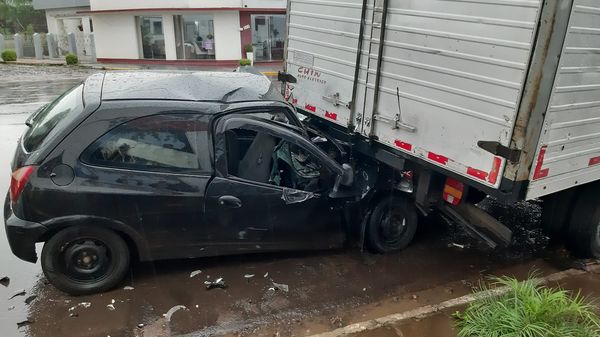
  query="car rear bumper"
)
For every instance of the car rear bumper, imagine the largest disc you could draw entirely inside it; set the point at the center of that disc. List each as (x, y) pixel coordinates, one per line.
(22, 235)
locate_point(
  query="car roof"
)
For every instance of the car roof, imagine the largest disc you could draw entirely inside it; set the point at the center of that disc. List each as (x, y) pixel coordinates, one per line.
(227, 87)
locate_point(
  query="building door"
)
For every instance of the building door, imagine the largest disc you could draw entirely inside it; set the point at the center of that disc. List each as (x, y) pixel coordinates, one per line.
(268, 36)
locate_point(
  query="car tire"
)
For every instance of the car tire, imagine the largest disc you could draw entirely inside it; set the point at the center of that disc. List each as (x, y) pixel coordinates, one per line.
(584, 227)
(83, 260)
(392, 225)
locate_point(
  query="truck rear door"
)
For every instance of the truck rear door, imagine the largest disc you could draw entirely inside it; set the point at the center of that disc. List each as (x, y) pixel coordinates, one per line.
(449, 74)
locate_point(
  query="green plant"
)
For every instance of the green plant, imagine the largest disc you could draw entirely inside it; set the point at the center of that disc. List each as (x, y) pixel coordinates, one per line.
(71, 59)
(248, 48)
(245, 62)
(529, 310)
(9, 55)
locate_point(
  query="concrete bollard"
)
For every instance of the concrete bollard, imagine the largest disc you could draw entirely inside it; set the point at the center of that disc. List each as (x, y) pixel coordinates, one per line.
(72, 43)
(1, 43)
(93, 47)
(52, 49)
(37, 46)
(18, 45)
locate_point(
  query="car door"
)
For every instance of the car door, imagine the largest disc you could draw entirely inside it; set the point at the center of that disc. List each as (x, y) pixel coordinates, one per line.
(248, 210)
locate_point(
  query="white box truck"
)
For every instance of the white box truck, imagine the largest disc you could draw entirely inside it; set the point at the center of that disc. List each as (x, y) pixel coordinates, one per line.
(494, 97)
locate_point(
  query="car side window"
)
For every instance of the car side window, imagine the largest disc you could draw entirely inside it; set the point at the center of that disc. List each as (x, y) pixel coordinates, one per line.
(165, 143)
(267, 159)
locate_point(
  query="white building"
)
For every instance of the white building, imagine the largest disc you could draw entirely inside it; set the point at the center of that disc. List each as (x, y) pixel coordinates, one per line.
(64, 17)
(187, 31)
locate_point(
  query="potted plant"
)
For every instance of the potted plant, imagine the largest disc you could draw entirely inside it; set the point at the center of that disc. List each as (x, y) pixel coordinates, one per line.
(249, 49)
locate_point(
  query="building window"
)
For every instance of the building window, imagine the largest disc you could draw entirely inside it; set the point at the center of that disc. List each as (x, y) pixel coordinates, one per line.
(152, 37)
(194, 37)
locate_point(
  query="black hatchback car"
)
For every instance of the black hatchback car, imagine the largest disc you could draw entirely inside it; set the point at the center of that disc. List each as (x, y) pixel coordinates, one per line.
(155, 165)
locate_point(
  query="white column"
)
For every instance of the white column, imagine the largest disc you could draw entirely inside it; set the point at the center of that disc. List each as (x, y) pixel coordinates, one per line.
(169, 34)
(85, 22)
(227, 35)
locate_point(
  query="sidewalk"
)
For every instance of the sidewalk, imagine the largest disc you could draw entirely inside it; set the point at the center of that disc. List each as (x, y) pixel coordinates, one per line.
(436, 320)
(38, 62)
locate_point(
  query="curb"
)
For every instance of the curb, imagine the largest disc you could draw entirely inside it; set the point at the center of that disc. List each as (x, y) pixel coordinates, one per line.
(430, 310)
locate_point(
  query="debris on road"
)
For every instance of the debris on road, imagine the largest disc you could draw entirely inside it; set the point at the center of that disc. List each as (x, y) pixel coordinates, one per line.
(336, 322)
(19, 293)
(5, 281)
(141, 325)
(266, 275)
(12, 307)
(128, 288)
(195, 272)
(248, 276)
(73, 314)
(24, 323)
(110, 307)
(218, 283)
(82, 304)
(173, 310)
(457, 245)
(30, 299)
(280, 286)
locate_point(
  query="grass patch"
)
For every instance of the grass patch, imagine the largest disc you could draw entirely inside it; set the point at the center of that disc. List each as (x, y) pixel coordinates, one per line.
(529, 310)
(9, 55)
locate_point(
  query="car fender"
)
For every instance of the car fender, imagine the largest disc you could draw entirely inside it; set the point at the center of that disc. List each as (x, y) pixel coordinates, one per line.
(56, 224)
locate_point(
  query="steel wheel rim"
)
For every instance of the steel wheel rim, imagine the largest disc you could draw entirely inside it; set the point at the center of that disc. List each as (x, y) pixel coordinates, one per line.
(85, 260)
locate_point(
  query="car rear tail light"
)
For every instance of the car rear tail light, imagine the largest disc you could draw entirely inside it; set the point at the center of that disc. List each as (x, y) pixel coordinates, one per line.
(453, 191)
(18, 179)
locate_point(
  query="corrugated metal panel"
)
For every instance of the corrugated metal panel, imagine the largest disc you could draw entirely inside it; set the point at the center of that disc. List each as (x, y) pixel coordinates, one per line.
(454, 71)
(569, 149)
(323, 38)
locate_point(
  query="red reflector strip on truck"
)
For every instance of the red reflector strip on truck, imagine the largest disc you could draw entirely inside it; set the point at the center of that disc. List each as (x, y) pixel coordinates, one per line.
(493, 178)
(477, 173)
(539, 173)
(331, 115)
(594, 161)
(403, 145)
(437, 158)
(310, 108)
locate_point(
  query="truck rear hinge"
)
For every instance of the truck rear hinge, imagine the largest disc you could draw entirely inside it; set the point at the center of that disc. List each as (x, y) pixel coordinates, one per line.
(512, 155)
(336, 101)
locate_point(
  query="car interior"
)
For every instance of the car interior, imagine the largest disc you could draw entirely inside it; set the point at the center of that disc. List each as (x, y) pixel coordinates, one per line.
(266, 159)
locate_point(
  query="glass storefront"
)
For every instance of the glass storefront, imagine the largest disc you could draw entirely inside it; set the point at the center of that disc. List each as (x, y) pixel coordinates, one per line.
(152, 37)
(194, 37)
(268, 37)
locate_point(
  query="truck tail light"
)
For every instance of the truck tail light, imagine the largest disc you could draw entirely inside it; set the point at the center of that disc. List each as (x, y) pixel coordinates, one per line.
(18, 179)
(453, 191)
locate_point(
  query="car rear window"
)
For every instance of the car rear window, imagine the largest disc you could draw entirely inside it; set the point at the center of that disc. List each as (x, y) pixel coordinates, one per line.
(165, 143)
(53, 118)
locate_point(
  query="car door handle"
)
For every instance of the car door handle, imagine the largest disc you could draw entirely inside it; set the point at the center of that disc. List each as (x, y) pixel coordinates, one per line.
(230, 201)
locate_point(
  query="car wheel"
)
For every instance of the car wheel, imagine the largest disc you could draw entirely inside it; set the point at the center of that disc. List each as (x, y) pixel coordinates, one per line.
(392, 225)
(84, 260)
(584, 228)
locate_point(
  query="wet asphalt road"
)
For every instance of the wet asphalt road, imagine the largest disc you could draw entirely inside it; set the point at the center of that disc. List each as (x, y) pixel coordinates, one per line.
(322, 285)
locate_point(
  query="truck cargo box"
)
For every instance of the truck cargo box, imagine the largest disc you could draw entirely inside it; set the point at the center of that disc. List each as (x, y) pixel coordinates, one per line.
(504, 93)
